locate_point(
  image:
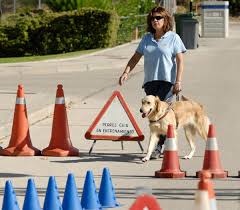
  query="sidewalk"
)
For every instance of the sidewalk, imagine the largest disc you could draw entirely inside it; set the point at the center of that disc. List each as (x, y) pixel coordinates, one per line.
(211, 77)
(39, 104)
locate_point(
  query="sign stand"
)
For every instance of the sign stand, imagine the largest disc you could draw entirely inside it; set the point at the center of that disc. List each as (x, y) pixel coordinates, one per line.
(95, 141)
(115, 122)
(90, 151)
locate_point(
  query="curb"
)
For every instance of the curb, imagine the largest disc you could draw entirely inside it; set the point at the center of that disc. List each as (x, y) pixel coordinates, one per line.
(91, 54)
(73, 58)
(33, 118)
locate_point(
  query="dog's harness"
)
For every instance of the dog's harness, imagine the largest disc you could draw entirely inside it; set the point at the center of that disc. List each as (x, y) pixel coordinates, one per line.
(164, 115)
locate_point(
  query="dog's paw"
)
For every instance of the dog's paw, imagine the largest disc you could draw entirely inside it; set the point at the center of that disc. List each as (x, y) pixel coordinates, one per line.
(145, 159)
(187, 157)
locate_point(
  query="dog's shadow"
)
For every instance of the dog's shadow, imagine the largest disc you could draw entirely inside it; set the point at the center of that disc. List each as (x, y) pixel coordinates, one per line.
(135, 158)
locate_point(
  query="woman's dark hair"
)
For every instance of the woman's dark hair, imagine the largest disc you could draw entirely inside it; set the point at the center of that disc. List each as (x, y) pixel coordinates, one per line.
(168, 23)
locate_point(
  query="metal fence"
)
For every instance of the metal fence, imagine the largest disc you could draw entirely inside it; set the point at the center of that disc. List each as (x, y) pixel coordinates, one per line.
(131, 28)
(12, 6)
(134, 27)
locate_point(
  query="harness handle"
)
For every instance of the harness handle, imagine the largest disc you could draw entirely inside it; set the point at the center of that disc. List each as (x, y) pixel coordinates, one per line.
(169, 99)
(178, 96)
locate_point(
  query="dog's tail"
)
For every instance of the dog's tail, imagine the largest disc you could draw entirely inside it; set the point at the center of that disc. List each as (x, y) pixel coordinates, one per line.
(204, 123)
(203, 119)
(184, 98)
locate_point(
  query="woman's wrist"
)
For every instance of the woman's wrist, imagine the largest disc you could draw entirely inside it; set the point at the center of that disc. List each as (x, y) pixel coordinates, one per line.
(178, 82)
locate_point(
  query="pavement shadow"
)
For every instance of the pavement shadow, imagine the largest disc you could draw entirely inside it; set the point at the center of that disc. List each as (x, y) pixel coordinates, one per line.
(13, 175)
(189, 194)
(116, 157)
(14, 93)
(179, 194)
(229, 178)
(41, 191)
(160, 193)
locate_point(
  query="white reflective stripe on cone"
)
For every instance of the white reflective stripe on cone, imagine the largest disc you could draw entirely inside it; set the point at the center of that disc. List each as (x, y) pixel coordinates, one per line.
(211, 144)
(201, 201)
(213, 204)
(170, 144)
(60, 100)
(20, 101)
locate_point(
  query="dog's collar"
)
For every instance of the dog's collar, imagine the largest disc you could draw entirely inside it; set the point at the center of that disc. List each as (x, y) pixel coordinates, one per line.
(164, 115)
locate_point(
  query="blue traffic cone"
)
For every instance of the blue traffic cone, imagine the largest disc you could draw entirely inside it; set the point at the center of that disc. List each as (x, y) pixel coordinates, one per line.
(106, 194)
(90, 196)
(71, 199)
(31, 197)
(10, 199)
(52, 200)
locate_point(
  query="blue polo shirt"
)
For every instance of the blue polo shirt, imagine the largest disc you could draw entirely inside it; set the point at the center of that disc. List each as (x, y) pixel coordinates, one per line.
(160, 56)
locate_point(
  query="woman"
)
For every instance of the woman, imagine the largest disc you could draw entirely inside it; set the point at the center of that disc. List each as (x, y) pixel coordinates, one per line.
(163, 58)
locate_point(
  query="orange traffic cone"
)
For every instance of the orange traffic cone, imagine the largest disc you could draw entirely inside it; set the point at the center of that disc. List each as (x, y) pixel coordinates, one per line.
(211, 157)
(145, 202)
(211, 194)
(201, 200)
(60, 143)
(20, 142)
(170, 165)
(202, 194)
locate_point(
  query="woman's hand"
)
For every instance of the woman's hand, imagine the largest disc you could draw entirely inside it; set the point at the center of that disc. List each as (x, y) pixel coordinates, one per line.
(131, 64)
(177, 88)
(123, 78)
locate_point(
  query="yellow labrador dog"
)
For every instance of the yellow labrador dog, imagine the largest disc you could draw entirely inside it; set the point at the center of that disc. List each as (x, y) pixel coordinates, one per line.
(184, 113)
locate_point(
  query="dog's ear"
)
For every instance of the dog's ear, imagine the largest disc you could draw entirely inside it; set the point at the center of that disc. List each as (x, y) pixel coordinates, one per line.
(158, 104)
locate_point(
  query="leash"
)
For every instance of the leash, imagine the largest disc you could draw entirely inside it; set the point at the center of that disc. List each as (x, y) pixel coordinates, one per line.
(169, 98)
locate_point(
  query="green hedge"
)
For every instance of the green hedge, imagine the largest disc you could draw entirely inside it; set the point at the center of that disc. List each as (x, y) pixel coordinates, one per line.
(234, 7)
(65, 5)
(40, 33)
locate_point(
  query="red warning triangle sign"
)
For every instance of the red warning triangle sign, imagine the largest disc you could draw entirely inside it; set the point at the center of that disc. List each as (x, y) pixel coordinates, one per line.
(145, 202)
(115, 122)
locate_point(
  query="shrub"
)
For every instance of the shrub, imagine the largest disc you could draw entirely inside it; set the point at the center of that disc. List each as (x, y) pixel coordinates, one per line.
(134, 15)
(234, 7)
(65, 5)
(47, 33)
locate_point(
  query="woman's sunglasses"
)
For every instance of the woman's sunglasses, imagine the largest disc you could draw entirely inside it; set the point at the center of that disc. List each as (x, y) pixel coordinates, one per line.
(156, 17)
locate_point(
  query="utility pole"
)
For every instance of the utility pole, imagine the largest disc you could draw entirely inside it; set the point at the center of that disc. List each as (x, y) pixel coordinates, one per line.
(14, 6)
(39, 4)
(159, 2)
(1, 9)
(170, 5)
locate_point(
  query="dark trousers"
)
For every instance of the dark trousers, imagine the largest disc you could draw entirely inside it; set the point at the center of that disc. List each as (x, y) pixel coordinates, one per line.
(158, 88)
